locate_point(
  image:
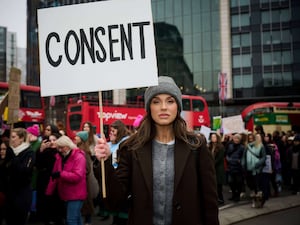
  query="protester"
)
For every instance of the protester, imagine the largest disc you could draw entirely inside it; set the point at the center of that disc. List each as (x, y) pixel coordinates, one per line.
(217, 149)
(294, 159)
(35, 144)
(92, 137)
(117, 134)
(50, 209)
(253, 162)
(69, 179)
(234, 153)
(20, 170)
(92, 185)
(167, 171)
(6, 155)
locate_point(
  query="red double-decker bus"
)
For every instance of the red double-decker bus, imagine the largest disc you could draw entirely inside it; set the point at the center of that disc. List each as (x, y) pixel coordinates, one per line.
(273, 116)
(32, 110)
(195, 112)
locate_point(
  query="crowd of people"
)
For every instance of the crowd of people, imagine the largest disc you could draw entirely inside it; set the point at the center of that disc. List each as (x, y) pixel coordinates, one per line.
(158, 173)
(258, 164)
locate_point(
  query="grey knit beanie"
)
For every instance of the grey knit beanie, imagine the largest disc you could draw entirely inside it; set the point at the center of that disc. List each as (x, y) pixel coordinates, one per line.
(166, 85)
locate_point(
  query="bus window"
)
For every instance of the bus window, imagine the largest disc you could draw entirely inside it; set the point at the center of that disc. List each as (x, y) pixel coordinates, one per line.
(30, 99)
(198, 105)
(75, 108)
(75, 121)
(186, 104)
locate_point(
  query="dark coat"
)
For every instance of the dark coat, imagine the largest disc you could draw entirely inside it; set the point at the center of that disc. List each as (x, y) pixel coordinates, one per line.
(194, 200)
(219, 165)
(20, 192)
(234, 154)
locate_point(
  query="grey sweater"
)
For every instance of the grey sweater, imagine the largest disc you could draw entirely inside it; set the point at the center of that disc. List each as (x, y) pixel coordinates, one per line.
(163, 182)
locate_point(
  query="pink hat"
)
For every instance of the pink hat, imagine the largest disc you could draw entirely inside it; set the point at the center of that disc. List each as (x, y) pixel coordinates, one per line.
(34, 130)
(137, 121)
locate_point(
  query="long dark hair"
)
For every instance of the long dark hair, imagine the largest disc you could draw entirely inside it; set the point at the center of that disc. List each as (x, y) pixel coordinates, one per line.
(123, 131)
(91, 133)
(147, 131)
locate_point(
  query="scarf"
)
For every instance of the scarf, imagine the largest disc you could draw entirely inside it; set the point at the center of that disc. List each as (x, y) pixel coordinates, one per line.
(20, 148)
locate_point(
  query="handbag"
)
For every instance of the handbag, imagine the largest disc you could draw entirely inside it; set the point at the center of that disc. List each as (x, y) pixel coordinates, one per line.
(268, 165)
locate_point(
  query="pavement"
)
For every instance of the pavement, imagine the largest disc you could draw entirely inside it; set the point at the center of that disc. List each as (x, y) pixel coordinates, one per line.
(233, 212)
(236, 212)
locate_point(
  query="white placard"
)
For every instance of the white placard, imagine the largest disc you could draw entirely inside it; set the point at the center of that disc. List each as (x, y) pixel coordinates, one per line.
(96, 46)
(206, 132)
(233, 124)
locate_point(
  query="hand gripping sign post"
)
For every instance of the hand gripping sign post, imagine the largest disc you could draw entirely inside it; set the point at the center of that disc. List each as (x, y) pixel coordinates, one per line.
(96, 47)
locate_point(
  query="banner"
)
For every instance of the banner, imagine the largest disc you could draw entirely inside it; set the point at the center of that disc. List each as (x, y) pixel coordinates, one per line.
(96, 46)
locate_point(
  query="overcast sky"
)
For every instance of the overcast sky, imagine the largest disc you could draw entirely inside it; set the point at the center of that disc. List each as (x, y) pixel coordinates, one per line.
(13, 16)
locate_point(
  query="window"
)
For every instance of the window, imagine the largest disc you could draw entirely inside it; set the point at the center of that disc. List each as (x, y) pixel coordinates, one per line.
(286, 57)
(286, 36)
(198, 105)
(242, 81)
(242, 40)
(276, 16)
(285, 15)
(241, 60)
(266, 38)
(240, 20)
(186, 104)
(276, 39)
(265, 17)
(277, 79)
(245, 40)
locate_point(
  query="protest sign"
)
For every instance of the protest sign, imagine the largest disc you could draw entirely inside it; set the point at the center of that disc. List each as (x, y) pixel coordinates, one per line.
(233, 124)
(96, 46)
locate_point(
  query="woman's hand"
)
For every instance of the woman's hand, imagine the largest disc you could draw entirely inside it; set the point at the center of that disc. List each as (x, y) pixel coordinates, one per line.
(102, 150)
(45, 144)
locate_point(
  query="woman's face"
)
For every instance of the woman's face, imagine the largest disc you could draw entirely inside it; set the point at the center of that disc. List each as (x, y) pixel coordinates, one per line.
(52, 140)
(47, 131)
(164, 109)
(86, 127)
(113, 134)
(258, 138)
(15, 140)
(3, 149)
(77, 140)
(213, 138)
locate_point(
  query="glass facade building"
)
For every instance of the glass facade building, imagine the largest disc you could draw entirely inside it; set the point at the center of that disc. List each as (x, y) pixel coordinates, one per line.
(265, 49)
(258, 48)
(8, 53)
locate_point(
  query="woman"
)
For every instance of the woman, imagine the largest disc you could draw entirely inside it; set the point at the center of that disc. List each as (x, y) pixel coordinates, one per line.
(253, 162)
(92, 138)
(69, 177)
(217, 149)
(6, 155)
(20, 177)
(118, 133)
(91, 181)
(49, 208)
(234, 154)
(34, 140)
(166, 170)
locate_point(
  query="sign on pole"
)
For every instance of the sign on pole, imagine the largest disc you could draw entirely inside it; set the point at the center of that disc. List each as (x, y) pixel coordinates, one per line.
(14, 95)
(96, 46)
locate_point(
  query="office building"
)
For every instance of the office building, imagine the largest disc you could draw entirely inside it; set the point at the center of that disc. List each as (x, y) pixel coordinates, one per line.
(256, 43)
(8, 52)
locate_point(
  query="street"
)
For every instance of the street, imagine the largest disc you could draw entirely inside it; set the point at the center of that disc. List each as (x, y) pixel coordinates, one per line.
(289, 216)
